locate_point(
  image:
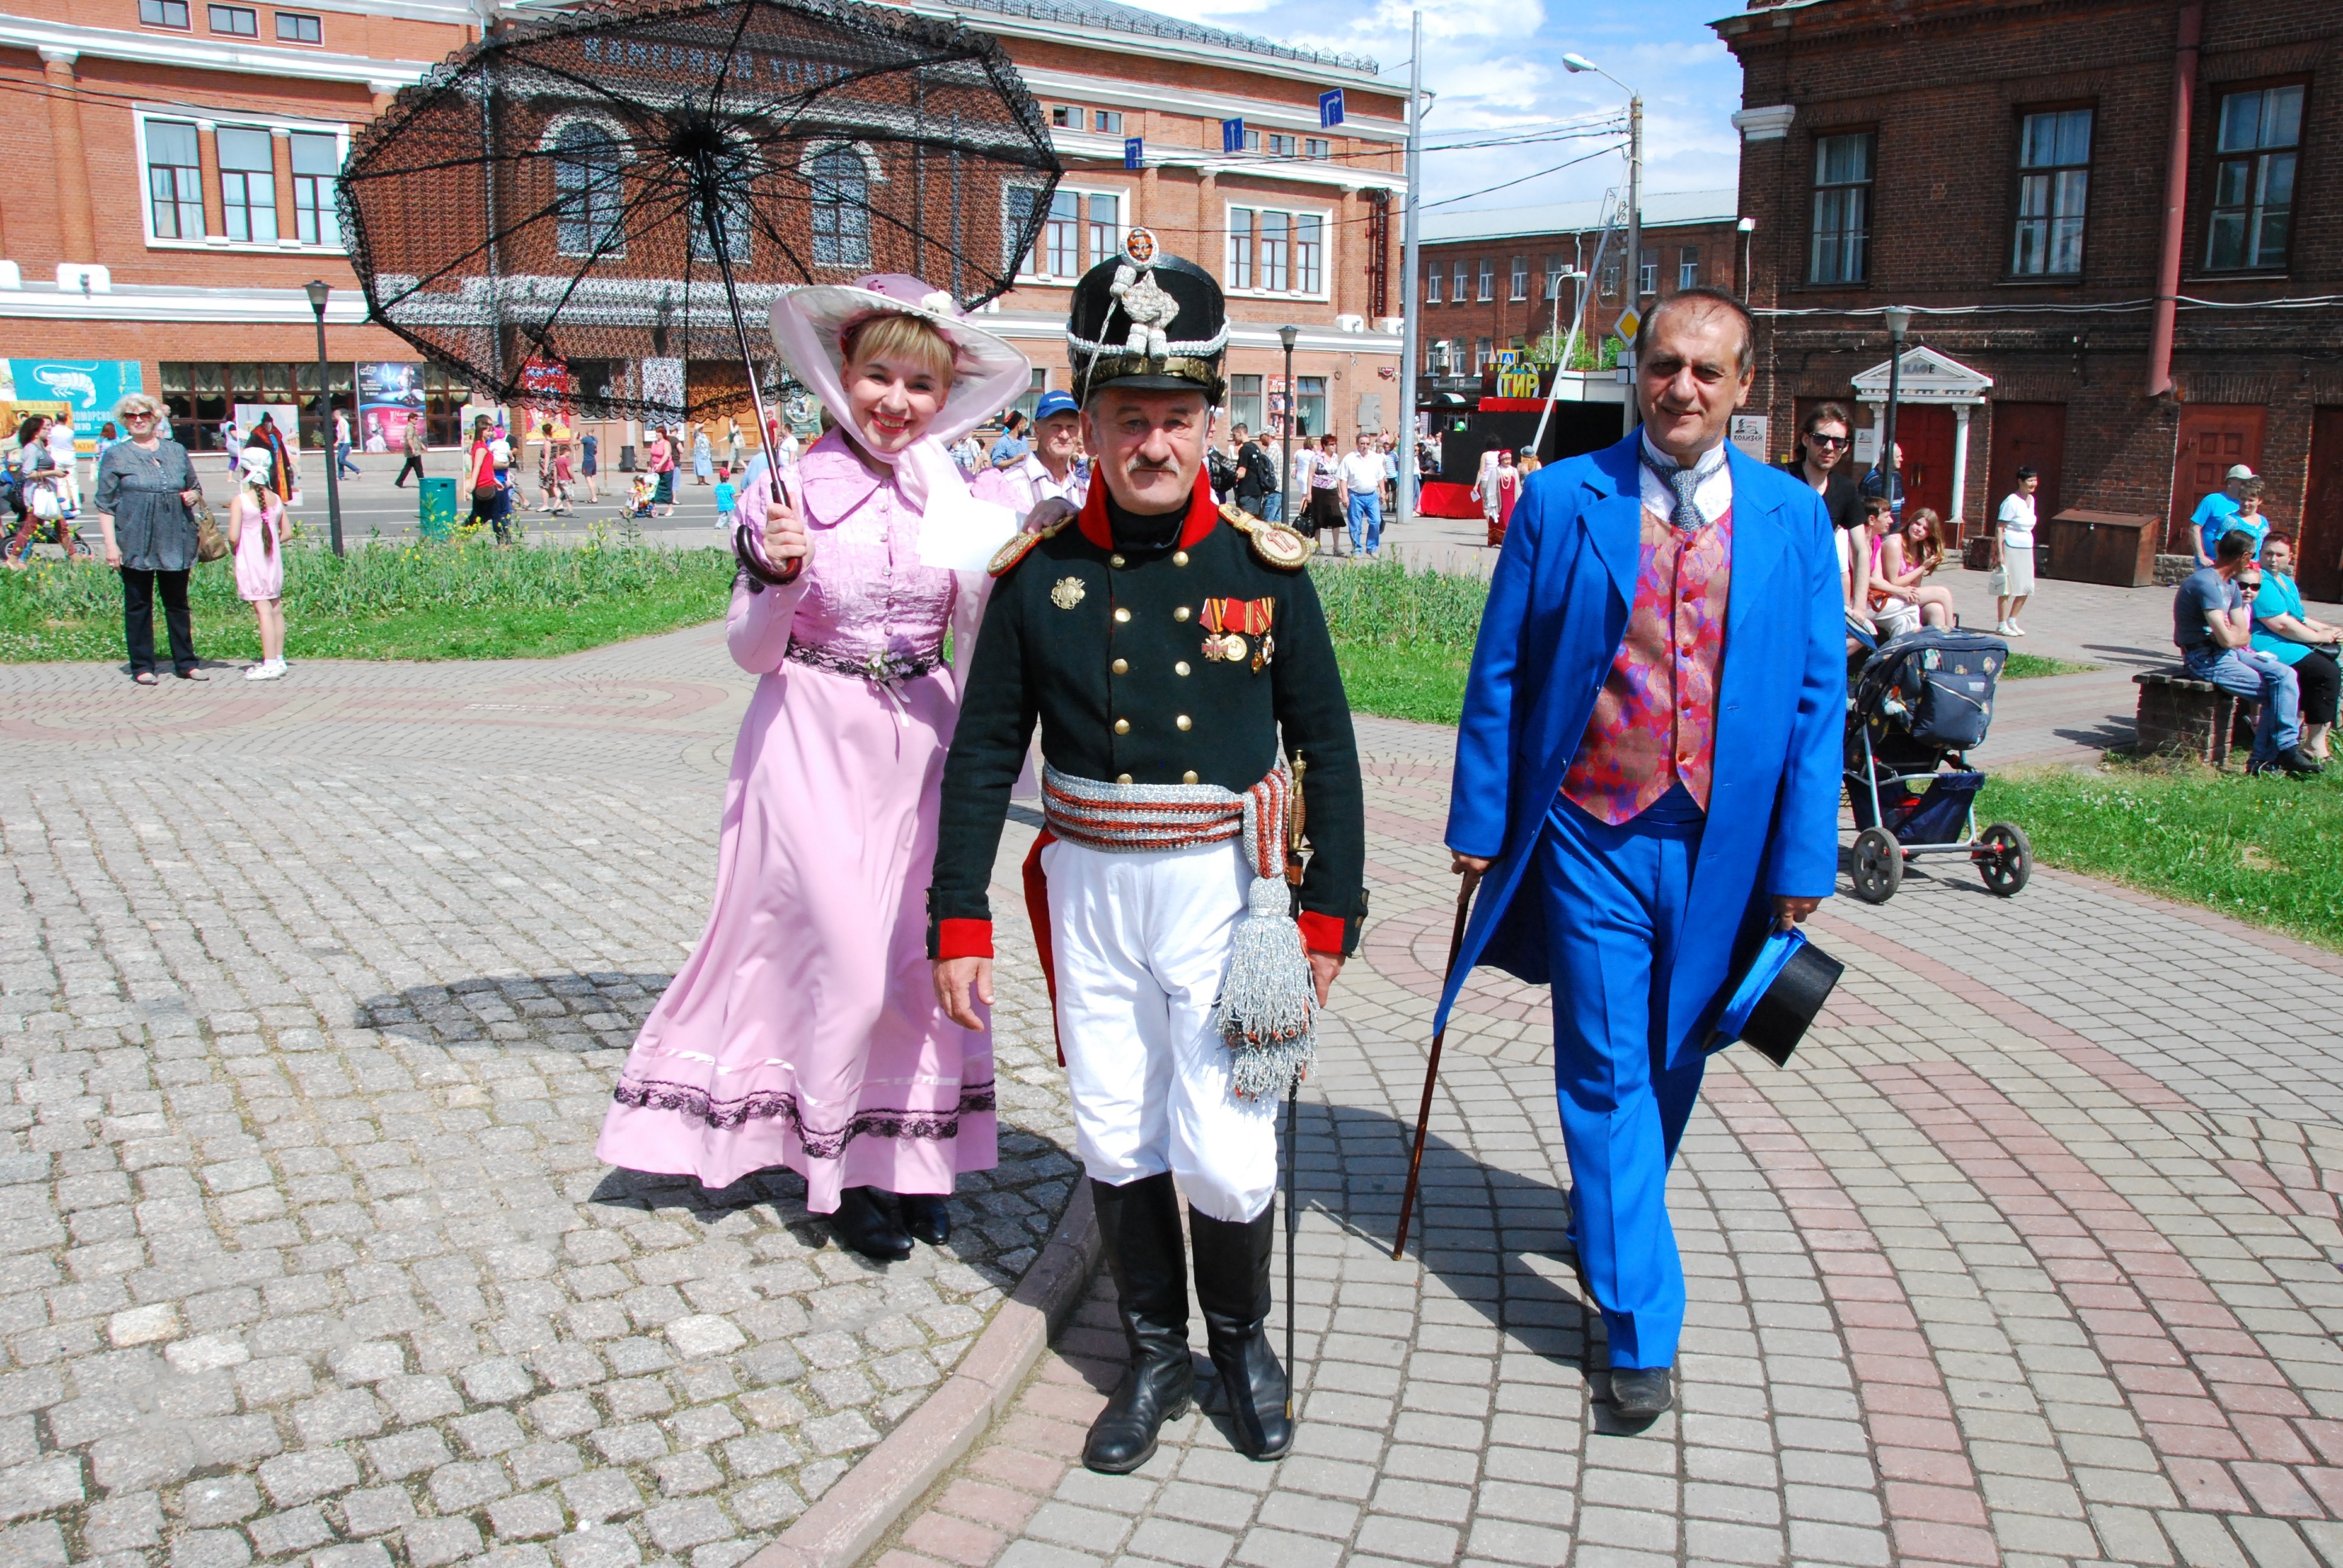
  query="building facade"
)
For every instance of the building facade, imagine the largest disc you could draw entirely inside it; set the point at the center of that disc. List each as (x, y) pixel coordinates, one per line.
(1498, 280)
(180, 196)
(2027, 178)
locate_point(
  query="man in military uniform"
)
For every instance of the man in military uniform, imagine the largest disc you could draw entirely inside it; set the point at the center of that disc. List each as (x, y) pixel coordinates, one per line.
(1166, 646)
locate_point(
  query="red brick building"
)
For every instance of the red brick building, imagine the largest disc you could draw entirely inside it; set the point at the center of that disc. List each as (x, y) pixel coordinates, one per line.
(1495, 280)
(175, 191)
(2012, 167)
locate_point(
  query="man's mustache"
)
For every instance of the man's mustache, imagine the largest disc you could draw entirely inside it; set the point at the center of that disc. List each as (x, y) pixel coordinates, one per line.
(1135, 466)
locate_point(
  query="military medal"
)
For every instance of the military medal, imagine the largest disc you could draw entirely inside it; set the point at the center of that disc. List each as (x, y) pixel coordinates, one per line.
(1227, 621)
(1066, 592)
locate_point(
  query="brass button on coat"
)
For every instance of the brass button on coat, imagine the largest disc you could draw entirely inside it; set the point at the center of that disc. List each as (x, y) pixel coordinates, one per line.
(1179, 614)
(1124, 615)
(1189, 776)
(1180, 667)
(1179, 558)
(1122, 777)
(1114, 561)
(1123, 666)
(1122, 727)
(1184, 722)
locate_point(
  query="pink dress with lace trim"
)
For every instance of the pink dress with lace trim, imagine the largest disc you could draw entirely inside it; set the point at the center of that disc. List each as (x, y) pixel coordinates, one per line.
(803, 1030)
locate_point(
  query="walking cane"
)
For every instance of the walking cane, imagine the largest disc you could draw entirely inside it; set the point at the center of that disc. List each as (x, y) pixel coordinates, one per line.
(1432, 1068)
(1293, 1206)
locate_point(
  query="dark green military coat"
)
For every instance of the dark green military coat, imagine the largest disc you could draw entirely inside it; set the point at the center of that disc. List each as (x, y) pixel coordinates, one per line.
(1108, 650)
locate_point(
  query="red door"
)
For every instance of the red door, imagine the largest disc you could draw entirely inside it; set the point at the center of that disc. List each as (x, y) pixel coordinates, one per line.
(2213, 438)
(2026, 436)
(1925, 433)
(2321, 568)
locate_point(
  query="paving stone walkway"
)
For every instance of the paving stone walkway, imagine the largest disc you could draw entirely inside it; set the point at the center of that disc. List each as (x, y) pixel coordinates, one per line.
(311, 997)
(2030, 1258)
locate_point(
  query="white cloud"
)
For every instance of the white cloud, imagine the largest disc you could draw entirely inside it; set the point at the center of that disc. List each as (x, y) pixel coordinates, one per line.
(1496, 63)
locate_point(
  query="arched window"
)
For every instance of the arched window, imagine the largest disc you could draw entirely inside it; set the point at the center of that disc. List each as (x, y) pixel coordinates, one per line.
(587, 185)
(840, 188)
(736, 171)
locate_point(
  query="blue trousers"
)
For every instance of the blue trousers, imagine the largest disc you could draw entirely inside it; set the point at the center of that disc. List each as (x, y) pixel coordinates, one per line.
(1366, 512)
(1272, 505)
(2268, 680)
(1614, 905)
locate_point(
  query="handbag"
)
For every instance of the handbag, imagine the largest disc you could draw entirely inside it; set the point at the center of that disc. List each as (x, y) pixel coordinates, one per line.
(210, 543)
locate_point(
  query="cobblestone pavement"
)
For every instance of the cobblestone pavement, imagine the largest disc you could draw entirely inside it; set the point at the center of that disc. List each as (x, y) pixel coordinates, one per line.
(311, 997)
(2030, 1258)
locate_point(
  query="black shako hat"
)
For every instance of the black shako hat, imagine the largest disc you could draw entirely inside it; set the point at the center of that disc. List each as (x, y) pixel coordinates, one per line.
(1149, 319)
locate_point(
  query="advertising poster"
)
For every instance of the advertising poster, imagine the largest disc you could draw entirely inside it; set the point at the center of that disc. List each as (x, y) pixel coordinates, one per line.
(90, 388)
(546, 394)
(391, 397)
(287, 417)
(1748, 432)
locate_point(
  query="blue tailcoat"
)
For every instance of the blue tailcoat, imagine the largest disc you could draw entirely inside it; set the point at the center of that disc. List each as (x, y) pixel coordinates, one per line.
(1556, 614)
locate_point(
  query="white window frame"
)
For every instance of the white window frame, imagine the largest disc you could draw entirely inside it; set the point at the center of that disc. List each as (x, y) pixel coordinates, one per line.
(203, 120)
(1293, 212)
(1127, 198)
(874, 173)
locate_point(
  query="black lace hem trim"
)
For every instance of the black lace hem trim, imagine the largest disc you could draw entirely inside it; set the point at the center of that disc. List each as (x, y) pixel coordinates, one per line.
(651, 1094)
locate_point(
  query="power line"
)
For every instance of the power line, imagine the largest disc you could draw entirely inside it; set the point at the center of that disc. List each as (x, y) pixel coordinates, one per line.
(1539, 174)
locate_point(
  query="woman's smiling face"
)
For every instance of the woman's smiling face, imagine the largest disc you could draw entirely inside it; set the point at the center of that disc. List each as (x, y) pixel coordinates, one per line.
(893, 401)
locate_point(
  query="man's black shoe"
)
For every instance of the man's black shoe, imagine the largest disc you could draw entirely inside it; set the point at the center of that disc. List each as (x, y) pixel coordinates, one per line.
(1232, 1286)
(2299, 764)
(1641, 1393)
(928, 1216)
(862, 1224)
(1139, 1231)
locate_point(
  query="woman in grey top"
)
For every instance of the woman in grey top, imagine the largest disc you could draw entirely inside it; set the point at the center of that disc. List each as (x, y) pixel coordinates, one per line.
(146, 493)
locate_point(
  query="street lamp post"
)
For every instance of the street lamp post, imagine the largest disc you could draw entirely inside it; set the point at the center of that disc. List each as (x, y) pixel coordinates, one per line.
(1411, 333)
(317, 291)
(1899, 322)
(1286, 334)
(1575, 63)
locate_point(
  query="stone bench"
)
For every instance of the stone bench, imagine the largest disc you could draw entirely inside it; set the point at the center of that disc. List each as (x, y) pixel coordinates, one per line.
(2181, 715)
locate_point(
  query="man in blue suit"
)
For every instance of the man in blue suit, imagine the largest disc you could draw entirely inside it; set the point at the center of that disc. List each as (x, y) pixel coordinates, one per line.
(1647, 778)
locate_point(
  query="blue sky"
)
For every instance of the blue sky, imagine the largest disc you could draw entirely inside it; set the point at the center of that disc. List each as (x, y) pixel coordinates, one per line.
(1497, 63)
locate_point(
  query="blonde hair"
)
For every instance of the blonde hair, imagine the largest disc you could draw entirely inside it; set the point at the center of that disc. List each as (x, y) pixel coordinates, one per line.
(893, 336)
(138, 403)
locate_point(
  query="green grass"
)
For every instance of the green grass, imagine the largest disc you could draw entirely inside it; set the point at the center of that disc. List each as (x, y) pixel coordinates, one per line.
(2028, 666)
(468, 599)
(2260, 850)
(1403, 639)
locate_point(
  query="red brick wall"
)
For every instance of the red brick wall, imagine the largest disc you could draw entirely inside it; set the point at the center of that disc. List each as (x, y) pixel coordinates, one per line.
(1943, 83)
(1504, 318)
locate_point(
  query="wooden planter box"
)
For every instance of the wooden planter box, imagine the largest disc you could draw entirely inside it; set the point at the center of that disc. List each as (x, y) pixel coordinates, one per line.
(2116, 548)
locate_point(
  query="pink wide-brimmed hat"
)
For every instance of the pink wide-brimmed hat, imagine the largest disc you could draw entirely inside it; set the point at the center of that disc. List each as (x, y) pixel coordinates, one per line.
(810, 321)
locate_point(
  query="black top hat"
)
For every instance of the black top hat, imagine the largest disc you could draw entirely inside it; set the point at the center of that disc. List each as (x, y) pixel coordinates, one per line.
(1149, 319)
(1776, 996)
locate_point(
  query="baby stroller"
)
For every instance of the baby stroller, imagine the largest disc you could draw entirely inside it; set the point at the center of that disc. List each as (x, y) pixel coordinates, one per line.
(1917, 703)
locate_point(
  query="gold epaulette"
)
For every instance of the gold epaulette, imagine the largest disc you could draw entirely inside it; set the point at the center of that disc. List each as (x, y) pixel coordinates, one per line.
(1009, 554)
(1283, 547)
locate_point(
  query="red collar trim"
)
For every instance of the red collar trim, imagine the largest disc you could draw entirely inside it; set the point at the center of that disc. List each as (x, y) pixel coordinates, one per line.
(1203, 514)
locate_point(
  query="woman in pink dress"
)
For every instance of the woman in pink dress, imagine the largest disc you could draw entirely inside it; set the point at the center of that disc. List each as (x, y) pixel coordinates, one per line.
(256, 532)
(803, 1030)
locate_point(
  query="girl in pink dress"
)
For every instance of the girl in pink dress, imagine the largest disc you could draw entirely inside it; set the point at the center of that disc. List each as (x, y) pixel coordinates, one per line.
(804, 1030)
(255, 531)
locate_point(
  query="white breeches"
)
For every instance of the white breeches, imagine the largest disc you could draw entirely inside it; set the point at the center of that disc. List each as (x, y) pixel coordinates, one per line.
(1141, 943)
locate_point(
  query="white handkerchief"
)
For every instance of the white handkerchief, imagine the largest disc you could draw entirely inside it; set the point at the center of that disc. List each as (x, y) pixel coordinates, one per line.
(961, 533)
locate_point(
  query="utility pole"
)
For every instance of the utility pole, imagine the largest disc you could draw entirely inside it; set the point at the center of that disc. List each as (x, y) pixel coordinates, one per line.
(1411, 339)
(1635, 202)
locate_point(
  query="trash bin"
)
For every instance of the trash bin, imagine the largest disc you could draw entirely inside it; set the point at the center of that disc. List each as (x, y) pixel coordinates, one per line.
(436, 505)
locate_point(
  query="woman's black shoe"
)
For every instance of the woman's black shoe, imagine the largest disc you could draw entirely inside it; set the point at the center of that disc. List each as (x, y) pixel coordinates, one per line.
(863, 1224)
(928, 1216)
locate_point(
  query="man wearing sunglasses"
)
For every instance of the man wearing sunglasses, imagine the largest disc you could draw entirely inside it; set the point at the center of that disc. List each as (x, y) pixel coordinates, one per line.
(1824, 440)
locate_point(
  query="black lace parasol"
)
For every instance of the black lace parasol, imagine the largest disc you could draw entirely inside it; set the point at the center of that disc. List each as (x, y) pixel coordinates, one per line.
(594, 201)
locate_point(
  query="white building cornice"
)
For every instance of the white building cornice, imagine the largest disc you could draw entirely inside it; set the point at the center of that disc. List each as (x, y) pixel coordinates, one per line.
(1119, 41)
(139, 302)
(1087, 154)
(1770, 124)
(59, 38)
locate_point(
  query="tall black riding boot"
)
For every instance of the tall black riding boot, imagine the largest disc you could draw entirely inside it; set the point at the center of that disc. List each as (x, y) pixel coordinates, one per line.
(1138, 1230)
(1232, 1285)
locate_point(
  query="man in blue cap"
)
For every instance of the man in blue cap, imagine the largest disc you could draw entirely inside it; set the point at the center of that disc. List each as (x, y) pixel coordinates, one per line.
(1647, 772)
(1049, 470)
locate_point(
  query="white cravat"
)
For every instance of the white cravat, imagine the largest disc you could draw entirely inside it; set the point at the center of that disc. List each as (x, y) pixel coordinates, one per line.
(1712, 495)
